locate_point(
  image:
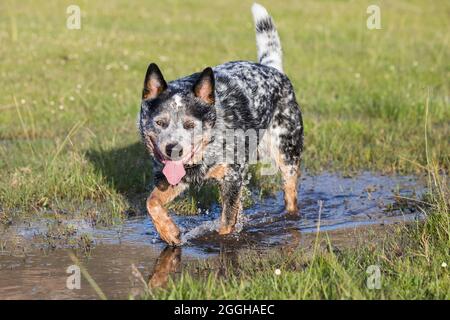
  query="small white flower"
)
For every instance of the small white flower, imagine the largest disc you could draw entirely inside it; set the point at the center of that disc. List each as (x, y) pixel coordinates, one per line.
(71, 98)
(357, 75)
(61, 107)
(444, 265)
(23, 101)
(277, 272)
(79, 86)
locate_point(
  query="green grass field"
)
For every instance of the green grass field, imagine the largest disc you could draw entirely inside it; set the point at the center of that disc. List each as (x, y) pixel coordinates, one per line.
(69, 99)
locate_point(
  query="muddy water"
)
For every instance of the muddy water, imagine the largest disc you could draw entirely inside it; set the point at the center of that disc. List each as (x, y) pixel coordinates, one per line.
(329, 201)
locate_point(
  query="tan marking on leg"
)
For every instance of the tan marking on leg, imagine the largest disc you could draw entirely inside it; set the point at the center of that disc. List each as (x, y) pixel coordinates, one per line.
(160, 196)
(225, 229)
(290, 193)
(290, 175)
(217, 172)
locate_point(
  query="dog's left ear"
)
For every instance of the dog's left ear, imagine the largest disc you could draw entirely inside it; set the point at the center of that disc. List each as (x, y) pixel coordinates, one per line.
(154, 82)
(204, 87)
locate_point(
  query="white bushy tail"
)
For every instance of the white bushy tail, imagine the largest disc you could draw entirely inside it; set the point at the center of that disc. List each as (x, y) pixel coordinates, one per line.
(267, 39)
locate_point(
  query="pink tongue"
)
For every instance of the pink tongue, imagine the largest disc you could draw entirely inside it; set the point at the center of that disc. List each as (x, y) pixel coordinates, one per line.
(174, 171)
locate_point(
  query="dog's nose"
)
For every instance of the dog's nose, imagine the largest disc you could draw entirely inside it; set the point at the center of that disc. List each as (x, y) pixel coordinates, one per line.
(174, 150)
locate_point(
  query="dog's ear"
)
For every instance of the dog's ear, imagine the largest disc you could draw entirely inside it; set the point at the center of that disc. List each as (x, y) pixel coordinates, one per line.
(154, 82)
(204, 87)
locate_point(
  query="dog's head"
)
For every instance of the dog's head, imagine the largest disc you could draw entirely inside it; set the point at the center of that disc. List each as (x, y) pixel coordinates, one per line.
(175, 123)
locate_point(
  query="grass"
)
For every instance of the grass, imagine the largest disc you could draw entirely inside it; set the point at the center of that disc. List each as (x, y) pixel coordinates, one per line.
(69, 98)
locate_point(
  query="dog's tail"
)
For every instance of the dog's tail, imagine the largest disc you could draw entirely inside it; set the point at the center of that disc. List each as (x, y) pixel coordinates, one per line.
(267, 39)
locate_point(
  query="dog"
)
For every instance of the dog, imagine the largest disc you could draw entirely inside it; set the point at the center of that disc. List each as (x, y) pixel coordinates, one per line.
(182, 124)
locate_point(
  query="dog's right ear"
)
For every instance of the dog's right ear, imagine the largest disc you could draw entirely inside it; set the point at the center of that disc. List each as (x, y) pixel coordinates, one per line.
(154, 83)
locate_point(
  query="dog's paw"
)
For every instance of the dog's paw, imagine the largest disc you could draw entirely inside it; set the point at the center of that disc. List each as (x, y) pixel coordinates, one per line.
(223, 230)
(293, 214)
(170, 234)
(171, 240)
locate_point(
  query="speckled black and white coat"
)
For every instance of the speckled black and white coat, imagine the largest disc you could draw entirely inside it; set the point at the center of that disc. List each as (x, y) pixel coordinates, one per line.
(244, 95)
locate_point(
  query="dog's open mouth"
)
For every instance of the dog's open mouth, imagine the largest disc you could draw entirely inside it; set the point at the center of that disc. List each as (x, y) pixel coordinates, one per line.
(174, 170)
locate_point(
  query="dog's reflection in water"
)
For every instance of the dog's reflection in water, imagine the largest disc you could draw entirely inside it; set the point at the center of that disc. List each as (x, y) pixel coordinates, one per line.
(167, 263)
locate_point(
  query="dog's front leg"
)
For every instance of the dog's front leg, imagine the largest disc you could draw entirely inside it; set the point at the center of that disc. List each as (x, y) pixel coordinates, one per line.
(230, 191)
(160, 196)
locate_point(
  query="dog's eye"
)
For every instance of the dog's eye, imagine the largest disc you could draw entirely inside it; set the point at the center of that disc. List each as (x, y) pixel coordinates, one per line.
(161, 123)
(189, 125)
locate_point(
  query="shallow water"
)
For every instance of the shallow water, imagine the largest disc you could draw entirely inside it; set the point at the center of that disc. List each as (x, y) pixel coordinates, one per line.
(329, 201)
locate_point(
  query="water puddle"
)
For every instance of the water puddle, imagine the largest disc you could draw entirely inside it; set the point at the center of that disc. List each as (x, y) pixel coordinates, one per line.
(328, 200)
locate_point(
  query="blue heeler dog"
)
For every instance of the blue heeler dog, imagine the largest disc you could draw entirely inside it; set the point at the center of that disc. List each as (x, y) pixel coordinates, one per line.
(183, 122)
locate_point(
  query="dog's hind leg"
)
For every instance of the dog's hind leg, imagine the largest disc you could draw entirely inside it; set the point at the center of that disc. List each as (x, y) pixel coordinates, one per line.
(284, 140)
(290, 176)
